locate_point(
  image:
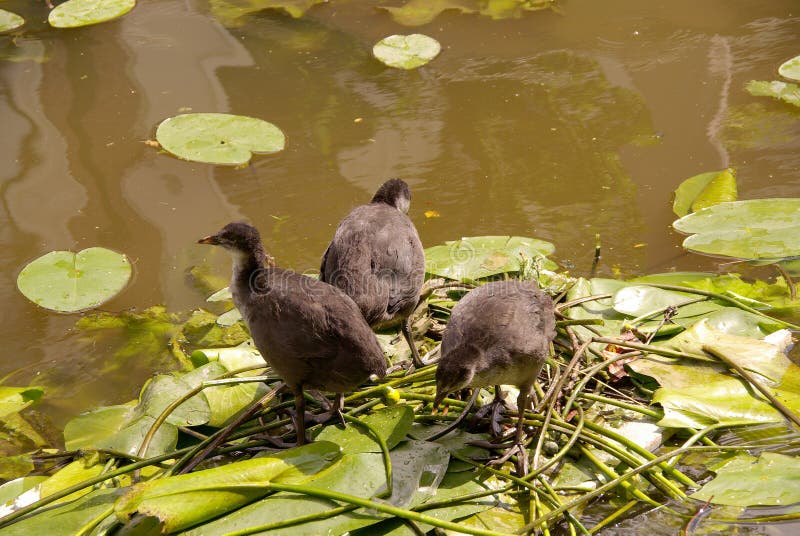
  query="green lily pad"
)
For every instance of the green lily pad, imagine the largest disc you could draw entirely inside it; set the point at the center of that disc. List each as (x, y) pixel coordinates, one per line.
(406, 51)
(67, 519)
(790, 69)
(769, 480)
(69, 282)
(704, 190)
(696, 394)
(9, 21)
(476, 257)
(183, 501)
(361, 475)
(218, 138)
(757, 229)
(789, 93)
(392, 423)
(638, 300)
(76, 13)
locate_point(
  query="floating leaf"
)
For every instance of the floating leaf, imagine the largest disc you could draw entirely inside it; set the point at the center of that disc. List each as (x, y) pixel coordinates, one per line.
(476, 257)
(638, 300)
(419, 467)
(406, 51)
(361, 475)
(10, 21)
(218, 138)
(790, 69)
(75, 13)
(766, 229)
(229, 318)
(391, 423)
(789, 93)
(183, 501)
(118, 428)
(225, 401)
(704, 190)
(697, 394)
(69, 282)
(68, 519)
(769, 480)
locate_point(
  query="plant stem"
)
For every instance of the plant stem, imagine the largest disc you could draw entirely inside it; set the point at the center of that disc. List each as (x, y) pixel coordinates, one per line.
(382, 507)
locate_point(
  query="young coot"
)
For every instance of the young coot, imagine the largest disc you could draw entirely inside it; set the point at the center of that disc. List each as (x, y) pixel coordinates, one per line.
(312, 334)
(376, 257)
(499, 333)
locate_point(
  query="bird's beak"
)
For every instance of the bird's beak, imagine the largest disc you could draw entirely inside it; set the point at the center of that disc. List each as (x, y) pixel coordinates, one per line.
(212, 240)
(440, 395)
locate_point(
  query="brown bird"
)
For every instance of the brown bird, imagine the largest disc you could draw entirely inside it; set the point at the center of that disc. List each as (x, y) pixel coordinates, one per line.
(497, 334)
(376, 257)
(312, 334)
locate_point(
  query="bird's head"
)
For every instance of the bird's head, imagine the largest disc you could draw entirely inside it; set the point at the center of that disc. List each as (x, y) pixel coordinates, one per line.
(238, 238)
(455, 371)
(395, 193)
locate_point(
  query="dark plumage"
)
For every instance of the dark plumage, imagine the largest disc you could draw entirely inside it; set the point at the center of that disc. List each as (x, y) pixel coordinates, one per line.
(312, 334)
(376, 257)
(499, 333)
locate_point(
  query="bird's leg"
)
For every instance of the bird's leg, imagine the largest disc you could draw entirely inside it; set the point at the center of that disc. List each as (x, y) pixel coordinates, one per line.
(522, 452)
(405, 327)
(495, 411)
(299, 415)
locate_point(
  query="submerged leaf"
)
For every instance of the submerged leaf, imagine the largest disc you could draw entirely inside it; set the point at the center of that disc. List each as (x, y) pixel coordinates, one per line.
(69, 282)
(772, 479)
(789, 93)
(15, 399)
(406, 51)
(216, 138)
(76, 13)
(704, 190)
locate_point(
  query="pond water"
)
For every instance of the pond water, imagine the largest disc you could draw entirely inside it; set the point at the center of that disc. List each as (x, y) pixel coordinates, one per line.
(560, 124)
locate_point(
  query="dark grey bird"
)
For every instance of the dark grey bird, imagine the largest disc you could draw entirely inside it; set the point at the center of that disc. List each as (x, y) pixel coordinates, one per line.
(497, 334)
(376, 258)
(312, 334)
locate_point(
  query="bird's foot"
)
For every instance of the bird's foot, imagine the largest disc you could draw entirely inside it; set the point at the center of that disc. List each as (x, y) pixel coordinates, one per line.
(494, 411)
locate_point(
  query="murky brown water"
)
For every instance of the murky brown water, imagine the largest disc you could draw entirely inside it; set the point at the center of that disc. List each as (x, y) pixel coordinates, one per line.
(557, 126)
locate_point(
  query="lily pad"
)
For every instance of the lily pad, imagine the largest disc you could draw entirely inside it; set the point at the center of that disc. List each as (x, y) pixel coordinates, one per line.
(69, 282)
(392, 423)
(790, 69)
(10, 21)
(704, 190)
(757, 229)
(183, 501)
(789, 93)
(769, 480)
(476, 257)
(218, 138)
(76, 13)
(406, 51)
